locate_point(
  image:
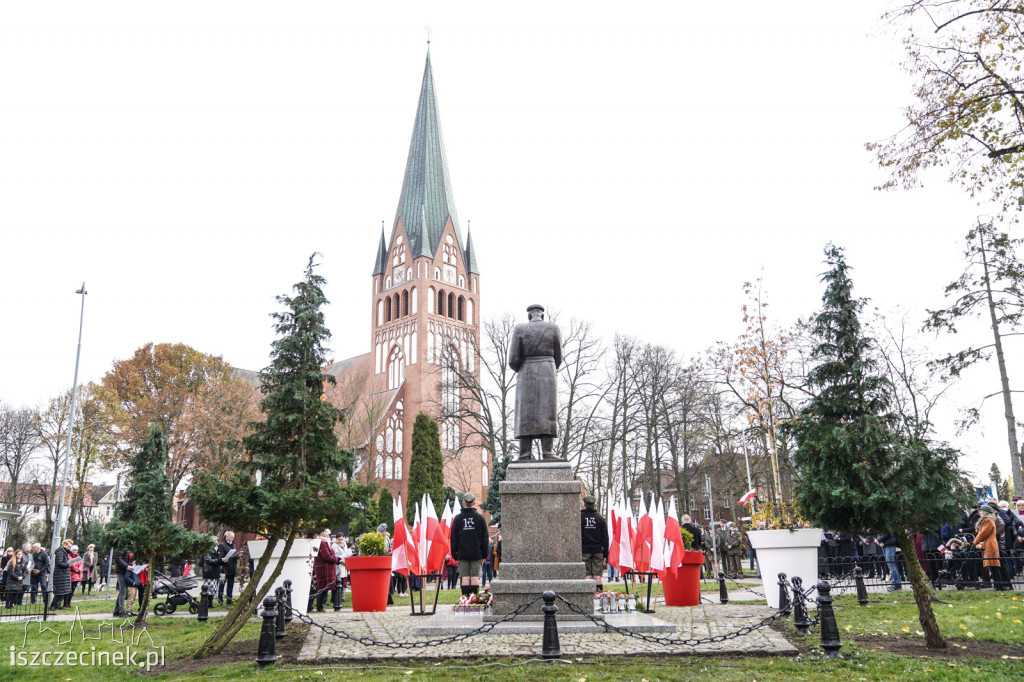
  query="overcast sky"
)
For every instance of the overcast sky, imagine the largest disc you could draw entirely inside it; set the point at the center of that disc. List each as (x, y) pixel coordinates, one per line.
(631, 165)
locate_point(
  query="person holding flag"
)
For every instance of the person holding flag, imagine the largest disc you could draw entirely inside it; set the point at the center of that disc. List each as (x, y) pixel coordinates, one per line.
(594, 536)
(468, 544)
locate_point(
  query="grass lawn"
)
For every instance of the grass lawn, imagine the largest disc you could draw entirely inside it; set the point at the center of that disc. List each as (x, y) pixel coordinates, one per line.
(880, 642)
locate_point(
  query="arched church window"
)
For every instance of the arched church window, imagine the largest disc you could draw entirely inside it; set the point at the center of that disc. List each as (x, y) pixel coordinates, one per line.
(387, 310)
(380, 312)
(462, 305)
(412, 295)
(398, 308)
(437, 273)
(451, 305)
(440, 302)
(469, 311)
(430, 300)
(462, 281)
(398, 467)
(405, 303)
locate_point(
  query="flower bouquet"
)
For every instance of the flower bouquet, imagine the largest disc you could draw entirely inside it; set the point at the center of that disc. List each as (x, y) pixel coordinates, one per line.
(474, 603)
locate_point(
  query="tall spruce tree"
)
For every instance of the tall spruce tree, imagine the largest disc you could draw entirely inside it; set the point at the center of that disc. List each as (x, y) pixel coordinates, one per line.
(493, 503)
(385, 511)
(142, 522)
(287, 484)
(858, 469)
(426, 467)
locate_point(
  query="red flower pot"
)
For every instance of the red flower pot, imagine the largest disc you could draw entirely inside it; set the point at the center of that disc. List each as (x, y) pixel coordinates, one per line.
(683, 588)
(371, 576)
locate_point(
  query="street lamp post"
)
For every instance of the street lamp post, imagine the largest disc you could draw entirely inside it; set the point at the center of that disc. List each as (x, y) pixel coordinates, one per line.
(71, 423)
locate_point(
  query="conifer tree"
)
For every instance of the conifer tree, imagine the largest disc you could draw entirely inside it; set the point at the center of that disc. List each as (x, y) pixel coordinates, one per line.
(142, 522)
(857, 468)
(385, 512)
(287, 484)
(426, 467)
(493, 503)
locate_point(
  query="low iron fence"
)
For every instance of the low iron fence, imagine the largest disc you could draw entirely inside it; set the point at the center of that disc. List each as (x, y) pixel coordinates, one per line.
(16, 604)
(958, 570)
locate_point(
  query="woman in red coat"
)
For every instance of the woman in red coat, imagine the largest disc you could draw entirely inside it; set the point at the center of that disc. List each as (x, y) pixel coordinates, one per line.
(988, 543)
(325, 571)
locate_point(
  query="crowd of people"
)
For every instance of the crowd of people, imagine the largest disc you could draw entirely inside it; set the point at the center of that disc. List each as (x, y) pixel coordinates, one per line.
(29, 570)
(984, 550)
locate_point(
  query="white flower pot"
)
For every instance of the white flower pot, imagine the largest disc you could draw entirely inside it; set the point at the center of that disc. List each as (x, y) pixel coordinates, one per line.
(298, 567)
(793, 552)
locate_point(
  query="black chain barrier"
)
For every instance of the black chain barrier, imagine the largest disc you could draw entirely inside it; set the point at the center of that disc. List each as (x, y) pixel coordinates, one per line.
(369, 641)
(670, 641)
(742, 586)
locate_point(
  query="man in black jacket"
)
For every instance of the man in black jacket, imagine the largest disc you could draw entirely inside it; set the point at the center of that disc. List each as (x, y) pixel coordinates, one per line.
(228, 566)
(40, 570)
(122, 561)
(594, 537)
(469, 543)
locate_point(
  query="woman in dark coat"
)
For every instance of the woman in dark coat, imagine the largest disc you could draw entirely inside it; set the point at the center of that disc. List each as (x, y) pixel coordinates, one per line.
(325, 569)
(13, 578)
(61, 574)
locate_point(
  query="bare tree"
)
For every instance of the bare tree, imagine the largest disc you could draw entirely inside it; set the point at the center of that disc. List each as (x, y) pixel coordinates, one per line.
(582, 390)
(18, 442)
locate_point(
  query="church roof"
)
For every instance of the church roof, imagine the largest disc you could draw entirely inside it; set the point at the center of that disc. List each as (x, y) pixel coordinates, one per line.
(469, 257)
(427, 200)
(381, 263)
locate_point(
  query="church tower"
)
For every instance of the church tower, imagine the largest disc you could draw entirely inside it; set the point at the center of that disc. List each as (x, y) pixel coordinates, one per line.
(426, 319)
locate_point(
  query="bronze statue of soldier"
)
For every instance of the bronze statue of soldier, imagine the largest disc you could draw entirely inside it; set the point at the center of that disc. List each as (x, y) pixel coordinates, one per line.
(535, 355)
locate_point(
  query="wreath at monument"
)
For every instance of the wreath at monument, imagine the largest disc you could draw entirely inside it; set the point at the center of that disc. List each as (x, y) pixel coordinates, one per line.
(470, 603)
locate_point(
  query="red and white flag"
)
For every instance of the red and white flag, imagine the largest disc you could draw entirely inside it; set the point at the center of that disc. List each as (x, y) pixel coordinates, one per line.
(642, 543)
(438, 539)
(674, 541)
(751, 494)
(625, 538)
(188, 571)
(614, 548)
(657, 514)
(404, 557)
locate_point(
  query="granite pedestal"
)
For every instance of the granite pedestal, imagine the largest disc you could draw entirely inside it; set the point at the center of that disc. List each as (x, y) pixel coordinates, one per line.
(540, 539)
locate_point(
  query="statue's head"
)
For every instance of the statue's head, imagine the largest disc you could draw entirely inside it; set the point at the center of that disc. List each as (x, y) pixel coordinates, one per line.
(535, 312)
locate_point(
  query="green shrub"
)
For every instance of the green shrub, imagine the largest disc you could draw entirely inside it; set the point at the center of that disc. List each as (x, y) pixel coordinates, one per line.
(372, 544)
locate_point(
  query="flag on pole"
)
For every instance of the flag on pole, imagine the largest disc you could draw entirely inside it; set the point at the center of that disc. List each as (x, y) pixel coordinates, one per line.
(614, 548)
(625, 542)
(642, 544)
(403, 548)
(657, 514)
(751, 494)
(438, 539)
(673, 537)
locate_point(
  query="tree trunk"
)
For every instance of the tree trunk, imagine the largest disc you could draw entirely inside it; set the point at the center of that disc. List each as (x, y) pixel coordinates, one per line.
(1011, 422)
(243, 606)
(146, 593)
(923, 594)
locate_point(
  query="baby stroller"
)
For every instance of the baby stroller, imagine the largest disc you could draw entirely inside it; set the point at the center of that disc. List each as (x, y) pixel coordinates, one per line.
(176, 590)
(955, 569)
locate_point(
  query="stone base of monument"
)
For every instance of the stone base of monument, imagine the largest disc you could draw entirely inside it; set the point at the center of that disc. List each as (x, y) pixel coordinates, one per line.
(445, 623)
(540, 536)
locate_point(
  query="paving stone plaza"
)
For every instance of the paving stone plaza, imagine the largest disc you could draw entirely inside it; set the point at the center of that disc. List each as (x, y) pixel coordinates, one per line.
(397, 625)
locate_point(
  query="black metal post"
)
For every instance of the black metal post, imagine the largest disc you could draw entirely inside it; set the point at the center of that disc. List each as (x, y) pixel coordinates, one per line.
(204, 604)
(288, 602)
(267, 651)
(862, 590)
(801, 618)
(785, 605)
(649, 581)
(549, 646)
(723, 593)
(336, 597)
(46, 603)
(279, 594)
(827, 617)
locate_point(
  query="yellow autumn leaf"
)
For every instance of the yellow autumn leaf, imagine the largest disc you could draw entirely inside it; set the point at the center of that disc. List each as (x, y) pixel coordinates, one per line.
(905, 628)
(970, 634)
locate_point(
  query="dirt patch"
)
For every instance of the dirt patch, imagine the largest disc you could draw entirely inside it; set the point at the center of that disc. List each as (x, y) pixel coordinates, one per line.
(242, 652)
(908, 646)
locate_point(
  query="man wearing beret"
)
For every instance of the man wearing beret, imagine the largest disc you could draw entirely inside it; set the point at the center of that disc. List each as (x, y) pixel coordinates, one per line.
(469, 544)
(594, 536)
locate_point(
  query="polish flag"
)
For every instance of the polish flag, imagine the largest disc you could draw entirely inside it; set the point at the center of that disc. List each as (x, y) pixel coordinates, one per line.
(625, 543)
(438, 540)
(403, 549)
(674, 541)
(188, 571)
(642, 545)
(418, 532)
(751, 494)
(657, 514)
(614, 548)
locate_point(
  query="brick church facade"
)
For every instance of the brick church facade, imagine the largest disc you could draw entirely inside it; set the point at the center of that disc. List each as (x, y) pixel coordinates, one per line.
(424, 308)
